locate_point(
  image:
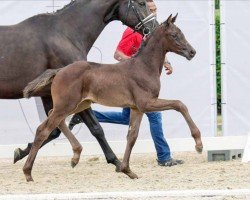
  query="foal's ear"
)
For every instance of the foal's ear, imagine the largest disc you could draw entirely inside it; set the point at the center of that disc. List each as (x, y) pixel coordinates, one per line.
(168, 21)
(174, 18)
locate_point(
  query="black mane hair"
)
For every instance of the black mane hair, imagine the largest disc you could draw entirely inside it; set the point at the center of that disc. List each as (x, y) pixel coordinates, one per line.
(72, 2)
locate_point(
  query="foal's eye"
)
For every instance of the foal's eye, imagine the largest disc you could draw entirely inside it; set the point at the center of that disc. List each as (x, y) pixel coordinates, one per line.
(142, 3)
(174, 36)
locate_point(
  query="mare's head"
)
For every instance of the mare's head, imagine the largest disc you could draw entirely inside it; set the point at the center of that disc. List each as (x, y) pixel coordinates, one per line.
(175, 41)
(133, 13)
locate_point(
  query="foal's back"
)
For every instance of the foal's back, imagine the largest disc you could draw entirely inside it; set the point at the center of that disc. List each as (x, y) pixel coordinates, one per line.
(107, 84)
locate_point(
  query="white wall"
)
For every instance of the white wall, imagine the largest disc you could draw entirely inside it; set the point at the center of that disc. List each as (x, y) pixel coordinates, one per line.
(235, 39)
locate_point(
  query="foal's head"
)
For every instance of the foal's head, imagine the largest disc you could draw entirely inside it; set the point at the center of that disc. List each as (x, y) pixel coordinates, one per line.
(175, 41)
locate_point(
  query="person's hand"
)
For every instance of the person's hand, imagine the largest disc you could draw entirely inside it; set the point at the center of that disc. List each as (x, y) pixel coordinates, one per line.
(119, 56)
(168, 68)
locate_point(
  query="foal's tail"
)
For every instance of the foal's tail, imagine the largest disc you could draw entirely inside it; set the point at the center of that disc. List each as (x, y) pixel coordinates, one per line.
(40, 82)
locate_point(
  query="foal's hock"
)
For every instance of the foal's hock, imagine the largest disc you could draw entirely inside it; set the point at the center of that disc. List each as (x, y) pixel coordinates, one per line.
(133, 83)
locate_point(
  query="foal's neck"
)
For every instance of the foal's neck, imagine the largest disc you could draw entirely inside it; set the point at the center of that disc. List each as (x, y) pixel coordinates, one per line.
(153, 54)
(83, 21)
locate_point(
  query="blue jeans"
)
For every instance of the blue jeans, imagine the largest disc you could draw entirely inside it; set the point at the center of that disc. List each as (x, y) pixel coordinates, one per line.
(155, 121)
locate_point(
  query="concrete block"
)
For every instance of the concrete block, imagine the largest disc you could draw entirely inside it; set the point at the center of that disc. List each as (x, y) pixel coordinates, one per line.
(224, 155)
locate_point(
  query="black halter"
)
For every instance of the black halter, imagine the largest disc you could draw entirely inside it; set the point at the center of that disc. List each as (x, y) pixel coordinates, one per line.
(142, 22)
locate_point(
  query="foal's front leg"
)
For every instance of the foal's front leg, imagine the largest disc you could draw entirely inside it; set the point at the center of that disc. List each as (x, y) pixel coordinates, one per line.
(134, 125)
(162, 104)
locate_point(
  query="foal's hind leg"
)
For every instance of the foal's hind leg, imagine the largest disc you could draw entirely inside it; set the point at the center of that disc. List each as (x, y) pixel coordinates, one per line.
(19, 153)
(42, 134)
(76, 146)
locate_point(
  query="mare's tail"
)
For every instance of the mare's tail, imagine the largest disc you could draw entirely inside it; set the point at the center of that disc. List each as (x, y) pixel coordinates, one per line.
(40, 82)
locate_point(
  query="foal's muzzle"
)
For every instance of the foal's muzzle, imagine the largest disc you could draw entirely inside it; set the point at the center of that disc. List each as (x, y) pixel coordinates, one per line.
(189, 54)
(192, 53)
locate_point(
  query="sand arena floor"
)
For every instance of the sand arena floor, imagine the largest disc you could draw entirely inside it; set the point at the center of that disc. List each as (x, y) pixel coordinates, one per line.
(93, 174)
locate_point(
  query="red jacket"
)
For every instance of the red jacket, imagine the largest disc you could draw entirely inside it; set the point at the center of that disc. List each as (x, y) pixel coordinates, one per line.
(130, 42)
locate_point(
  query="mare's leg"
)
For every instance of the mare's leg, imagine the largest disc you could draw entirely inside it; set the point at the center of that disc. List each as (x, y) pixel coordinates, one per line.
(42, 134)
(96, 130)
(19, 153)
(162, 104)
(134, 125)
(76, 146)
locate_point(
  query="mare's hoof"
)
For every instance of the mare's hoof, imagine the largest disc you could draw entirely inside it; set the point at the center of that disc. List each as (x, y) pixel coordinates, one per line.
(118, 167)
(199, 149)
(17, 155)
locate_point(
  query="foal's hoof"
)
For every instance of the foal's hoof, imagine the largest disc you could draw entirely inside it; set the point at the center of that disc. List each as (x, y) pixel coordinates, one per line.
(74, 163)
(132, 175)
(77, 154)
(199, 149)
(129, 173)
(29, 178)
(17, 155)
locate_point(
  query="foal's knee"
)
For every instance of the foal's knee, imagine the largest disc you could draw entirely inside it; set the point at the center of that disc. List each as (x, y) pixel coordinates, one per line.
(181, 107)
(44, 130)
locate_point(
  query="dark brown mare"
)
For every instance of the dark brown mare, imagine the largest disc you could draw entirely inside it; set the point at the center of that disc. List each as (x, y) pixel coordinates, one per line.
(51, 41)
(133, 83)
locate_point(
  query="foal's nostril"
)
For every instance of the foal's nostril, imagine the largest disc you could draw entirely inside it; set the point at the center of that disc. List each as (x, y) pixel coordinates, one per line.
(192, 53)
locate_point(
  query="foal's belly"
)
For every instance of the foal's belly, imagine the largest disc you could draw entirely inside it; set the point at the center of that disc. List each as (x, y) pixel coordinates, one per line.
(112, 99)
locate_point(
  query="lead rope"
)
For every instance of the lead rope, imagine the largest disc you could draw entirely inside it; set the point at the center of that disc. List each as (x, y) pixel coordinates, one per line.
(30, 129)
(25, 118)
